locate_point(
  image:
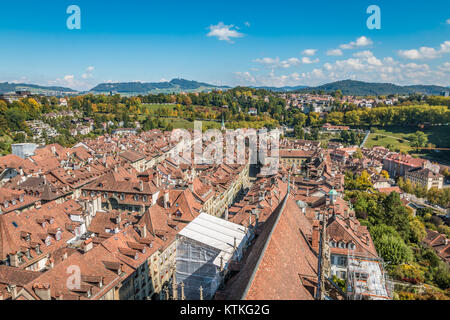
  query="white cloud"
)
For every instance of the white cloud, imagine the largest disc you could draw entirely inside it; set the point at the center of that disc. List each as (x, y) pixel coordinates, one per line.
(69, 77)
(289, 62)
(445, 47)
(422, 53)
(334, 52)
(245, 77)
(447, 21)
(224, 32)
(360, 42)
(363, 54)
(309, 52)
(276, 63)
(445, 67)
(88, 73)
(247, 24)
(307, 60)
(425, 52)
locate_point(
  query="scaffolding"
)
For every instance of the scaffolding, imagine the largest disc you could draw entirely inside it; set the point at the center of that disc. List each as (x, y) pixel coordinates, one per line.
(367, 278)
(205, 250)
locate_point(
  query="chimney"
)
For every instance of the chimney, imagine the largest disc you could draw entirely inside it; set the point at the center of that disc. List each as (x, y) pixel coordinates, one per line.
(64, 257)
(166, 199)
(13, 289)
(87, 245)
(158, 180)
(13, 260)
(53, 150)
(143, 230)
(315, 236)
(42, 290)
(141, 185)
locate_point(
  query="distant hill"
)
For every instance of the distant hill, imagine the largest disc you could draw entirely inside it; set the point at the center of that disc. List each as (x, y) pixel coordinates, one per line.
(135, 88)
(360, 88)
(6, 87)
(282, 89)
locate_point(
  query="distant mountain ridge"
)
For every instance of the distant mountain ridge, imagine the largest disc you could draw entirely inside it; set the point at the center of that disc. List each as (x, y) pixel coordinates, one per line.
(175, 85)
(360, 88)
(282, 89)
(6, 87)
(348, 87)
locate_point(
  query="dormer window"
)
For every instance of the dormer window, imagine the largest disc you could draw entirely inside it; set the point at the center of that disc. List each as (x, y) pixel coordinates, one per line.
(333, 244)
(145, 198)
(6, 204)
(58, 235)
(351, 246)
(48, 241)
(136, 197)
(14, 202)
(38, 249)
(122, 196)
(341, 244)
(28, 254)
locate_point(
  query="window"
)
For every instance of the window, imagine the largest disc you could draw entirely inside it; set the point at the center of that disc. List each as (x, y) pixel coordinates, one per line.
(342, 261)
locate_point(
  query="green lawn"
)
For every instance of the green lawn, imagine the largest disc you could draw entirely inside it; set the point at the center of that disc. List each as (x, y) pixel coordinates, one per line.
(153, 106)
(396, 138)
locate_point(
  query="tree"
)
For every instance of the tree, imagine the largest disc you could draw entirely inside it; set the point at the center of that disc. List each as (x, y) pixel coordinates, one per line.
(299, 133)
(15, 118)
(385, 174)
(409, 272)
(393, 249)
(419, 139)
(418, 232)
(358, 154)
(396, 215)
(363, 180)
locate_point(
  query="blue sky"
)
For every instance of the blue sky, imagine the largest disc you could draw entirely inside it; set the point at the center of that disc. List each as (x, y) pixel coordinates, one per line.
(274, 43)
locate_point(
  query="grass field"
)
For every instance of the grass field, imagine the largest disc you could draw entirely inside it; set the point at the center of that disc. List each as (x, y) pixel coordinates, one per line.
(154, 106)
(180, 123)
(396, 138)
